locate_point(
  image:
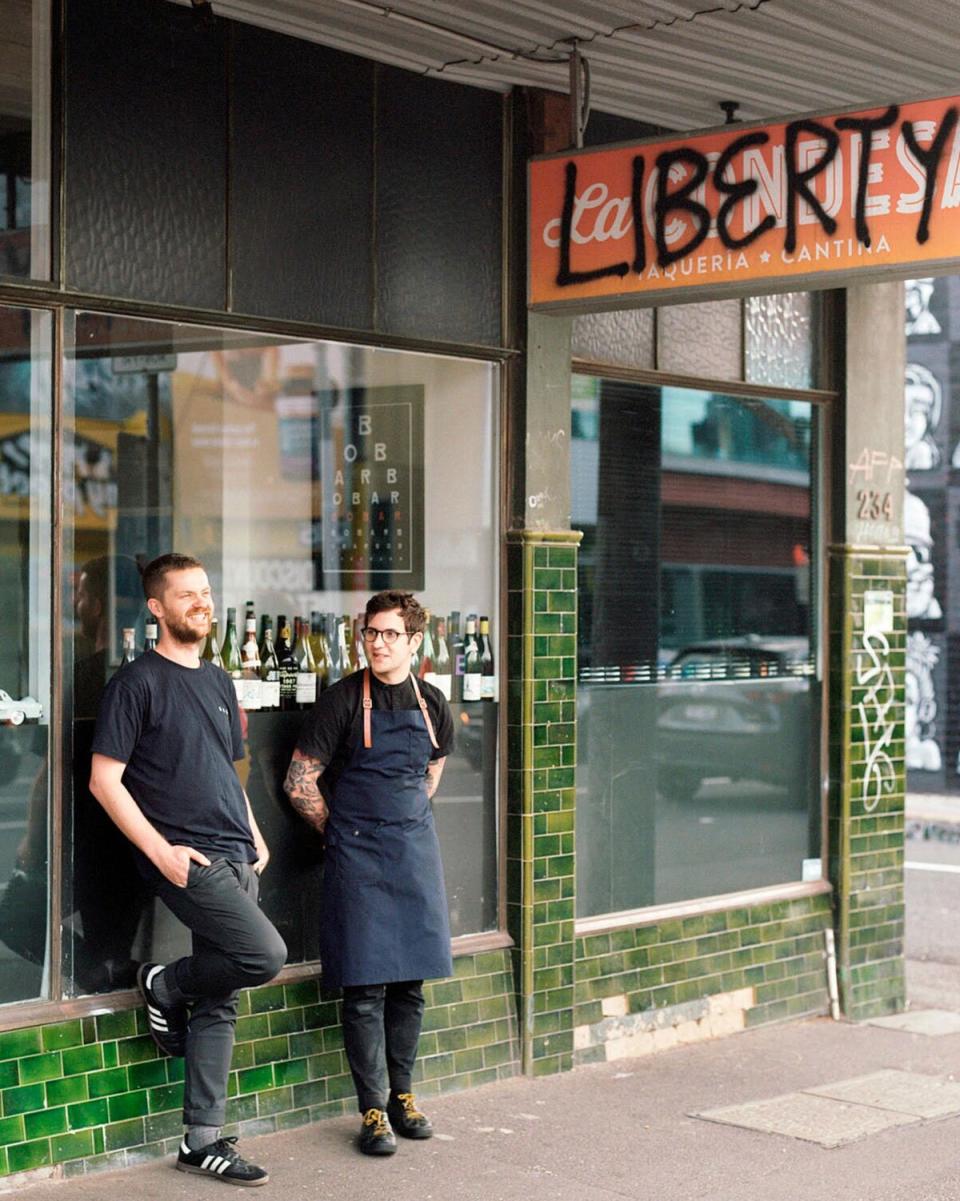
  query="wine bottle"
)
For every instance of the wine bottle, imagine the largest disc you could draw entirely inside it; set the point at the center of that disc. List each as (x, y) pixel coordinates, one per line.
(231, 654)
(129, 645)
(150, 636)
(269, 672)
(347, 666)
(306, 667)
(442, 665)
(287, 666)
(359, 650)
(427, 653)
(250, 663)
(321, 652)
(488, 675)
(335, 670)
(472, 671)
(211, 648)
(455, 639)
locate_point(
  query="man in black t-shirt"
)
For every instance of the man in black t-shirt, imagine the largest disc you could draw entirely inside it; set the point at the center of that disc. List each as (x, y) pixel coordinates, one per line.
(167, 737)
(380, 739)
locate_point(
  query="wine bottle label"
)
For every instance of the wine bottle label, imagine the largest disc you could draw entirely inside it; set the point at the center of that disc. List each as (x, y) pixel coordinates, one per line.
(270, 694)
(488, 688)
(458, 664)
(306, 687)
(441, 680)
(239, 686)
(472, 686)
(250, 697)
(288, 683)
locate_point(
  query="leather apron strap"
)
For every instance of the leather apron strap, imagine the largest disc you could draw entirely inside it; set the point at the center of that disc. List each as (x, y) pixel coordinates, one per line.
(368, 707)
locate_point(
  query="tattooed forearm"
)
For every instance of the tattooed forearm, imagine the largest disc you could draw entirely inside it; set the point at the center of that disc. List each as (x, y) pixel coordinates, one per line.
(301, 786)
(301, 779)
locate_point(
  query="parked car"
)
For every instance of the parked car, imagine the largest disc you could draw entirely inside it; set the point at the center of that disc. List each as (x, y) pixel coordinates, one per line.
(15, 713)
(735, 708)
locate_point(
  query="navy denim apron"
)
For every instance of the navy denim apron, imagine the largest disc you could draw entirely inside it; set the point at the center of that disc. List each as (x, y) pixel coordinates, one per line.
(384, 906)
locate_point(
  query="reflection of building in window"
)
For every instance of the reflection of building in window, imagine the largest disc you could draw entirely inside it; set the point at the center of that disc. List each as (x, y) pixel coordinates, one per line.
(922, 750)
(921, 602)
(917, 295)
(923, 405)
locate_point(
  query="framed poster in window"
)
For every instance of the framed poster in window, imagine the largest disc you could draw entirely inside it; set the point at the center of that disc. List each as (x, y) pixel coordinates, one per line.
(371, 484)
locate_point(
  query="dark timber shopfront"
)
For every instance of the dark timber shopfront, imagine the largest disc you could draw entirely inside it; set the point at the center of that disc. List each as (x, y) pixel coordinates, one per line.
(295, 311)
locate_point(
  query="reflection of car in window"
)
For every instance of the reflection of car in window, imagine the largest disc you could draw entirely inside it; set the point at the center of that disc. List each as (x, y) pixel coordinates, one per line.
(734, 709)
(16, 712)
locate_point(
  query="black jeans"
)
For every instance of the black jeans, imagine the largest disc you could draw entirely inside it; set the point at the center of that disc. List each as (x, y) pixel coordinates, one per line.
(234, 946)
(381, 1030)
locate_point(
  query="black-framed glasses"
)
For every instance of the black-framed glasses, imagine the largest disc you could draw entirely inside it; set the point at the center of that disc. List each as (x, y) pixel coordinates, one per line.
(369, 634)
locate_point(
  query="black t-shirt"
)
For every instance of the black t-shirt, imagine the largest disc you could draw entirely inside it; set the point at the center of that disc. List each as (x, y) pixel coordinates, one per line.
(178, 731)
(333, 728)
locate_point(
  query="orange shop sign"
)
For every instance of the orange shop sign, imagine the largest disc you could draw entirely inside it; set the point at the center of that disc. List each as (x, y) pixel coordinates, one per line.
(812, 201)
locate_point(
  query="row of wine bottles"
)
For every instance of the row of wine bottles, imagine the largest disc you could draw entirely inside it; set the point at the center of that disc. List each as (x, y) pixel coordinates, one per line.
(287, 672)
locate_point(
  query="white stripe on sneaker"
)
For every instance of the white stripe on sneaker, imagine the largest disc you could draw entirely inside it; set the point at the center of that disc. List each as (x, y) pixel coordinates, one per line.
(153, 971)
(223, 1167)
(208, 1160)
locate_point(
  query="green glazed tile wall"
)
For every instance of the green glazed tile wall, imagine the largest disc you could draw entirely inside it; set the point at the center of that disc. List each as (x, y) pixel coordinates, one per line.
(868, 783)
(94, 1093)
(776, 948)
(542, 661)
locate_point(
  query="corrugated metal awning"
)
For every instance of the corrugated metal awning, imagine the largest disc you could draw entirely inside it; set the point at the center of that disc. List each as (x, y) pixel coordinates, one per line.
(668, 62)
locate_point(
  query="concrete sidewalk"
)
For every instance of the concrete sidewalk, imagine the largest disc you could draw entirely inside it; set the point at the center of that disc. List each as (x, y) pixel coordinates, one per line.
(625, 1130)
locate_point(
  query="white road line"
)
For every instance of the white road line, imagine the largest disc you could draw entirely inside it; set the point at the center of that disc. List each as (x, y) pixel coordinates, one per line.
(952, 868)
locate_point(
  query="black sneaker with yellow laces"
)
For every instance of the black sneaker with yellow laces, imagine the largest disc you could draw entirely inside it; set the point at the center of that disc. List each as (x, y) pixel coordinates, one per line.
(376, 1137)
(406, 1119)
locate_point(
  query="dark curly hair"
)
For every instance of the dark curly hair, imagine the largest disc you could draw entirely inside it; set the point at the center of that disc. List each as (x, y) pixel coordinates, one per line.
(413, 613)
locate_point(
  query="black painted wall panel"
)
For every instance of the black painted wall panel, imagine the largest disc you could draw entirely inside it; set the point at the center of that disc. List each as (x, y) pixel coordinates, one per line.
(301, 189)
(439, 186)
(145, 152)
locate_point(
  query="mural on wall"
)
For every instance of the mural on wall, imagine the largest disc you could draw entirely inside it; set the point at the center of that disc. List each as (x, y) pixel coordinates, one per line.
(932, 529)
(922, 750)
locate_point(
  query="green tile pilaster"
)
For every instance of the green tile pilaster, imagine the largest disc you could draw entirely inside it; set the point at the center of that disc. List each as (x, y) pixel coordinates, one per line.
(542, 659)
(868, 780)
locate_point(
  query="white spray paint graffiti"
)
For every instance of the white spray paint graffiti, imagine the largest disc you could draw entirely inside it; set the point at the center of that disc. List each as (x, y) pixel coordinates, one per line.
(876, 711)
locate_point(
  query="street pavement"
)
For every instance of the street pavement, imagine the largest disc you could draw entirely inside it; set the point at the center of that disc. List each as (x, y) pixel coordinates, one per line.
(628, 1129)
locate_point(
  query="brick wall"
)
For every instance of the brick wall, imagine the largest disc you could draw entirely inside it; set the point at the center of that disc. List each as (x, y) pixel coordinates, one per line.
(773, 950)
(867, 773)
(94, 1092)
(542, 582)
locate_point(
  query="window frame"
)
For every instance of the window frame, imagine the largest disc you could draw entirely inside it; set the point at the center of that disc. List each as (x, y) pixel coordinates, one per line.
(48, 298)
(824, 402)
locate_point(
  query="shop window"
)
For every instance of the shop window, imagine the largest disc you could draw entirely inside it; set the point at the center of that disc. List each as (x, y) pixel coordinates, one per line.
(305, 476)
(25, 441)
(24, 138)
(699, 692)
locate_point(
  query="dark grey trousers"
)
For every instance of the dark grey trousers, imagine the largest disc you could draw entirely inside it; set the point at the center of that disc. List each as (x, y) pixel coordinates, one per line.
(381, 1032)
(234, 946)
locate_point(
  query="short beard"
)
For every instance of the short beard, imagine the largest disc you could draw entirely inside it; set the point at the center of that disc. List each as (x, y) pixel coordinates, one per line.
(184, 634)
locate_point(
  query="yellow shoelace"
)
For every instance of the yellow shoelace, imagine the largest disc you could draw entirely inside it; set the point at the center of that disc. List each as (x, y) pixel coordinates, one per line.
(408, 1101)
(378, 1118)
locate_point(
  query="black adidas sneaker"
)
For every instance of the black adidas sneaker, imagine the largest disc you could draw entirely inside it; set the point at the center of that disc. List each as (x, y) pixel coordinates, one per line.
(168, 1023)
(222, 1160)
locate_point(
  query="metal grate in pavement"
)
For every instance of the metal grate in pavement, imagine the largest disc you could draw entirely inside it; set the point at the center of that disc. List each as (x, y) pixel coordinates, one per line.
(899, 1092)
(813, 1118)
(932, 1022)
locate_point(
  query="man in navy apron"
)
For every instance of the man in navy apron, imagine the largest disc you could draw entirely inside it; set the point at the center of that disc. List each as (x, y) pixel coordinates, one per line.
(380, 738)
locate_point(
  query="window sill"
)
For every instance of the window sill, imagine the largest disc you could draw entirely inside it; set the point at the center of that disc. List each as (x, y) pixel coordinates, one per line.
(20, 1014)
(655, 914)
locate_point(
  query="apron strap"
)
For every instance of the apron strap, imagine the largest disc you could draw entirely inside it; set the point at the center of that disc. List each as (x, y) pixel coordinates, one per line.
(426, 716)
(368, 706)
